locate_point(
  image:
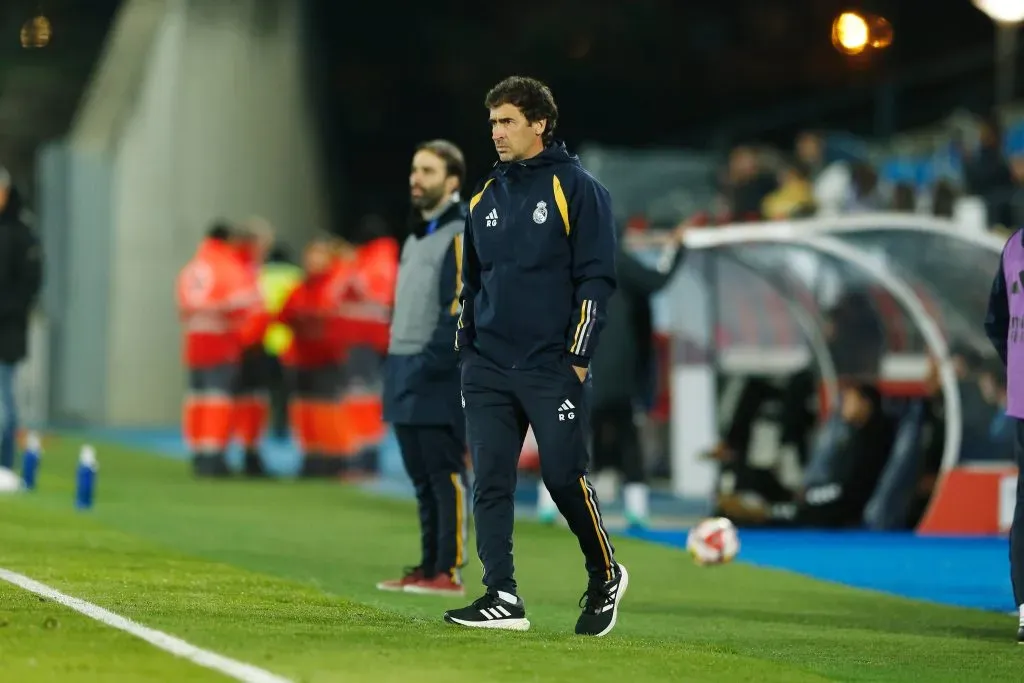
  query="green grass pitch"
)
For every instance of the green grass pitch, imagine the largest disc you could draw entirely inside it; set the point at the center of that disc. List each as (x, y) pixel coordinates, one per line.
(281, 575)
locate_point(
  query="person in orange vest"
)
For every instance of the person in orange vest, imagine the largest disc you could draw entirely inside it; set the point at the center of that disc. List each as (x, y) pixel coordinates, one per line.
(370, 272)
(315, 361)
(214, 298)
(252, 400)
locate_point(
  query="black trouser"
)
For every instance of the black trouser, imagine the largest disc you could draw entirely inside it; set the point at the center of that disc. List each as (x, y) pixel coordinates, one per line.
(279, 396)
(617, 442)
(434, 457)
(500, 405)
(1017, 529)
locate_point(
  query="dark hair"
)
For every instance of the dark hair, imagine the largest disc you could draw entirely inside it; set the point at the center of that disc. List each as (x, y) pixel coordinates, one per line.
(531, 97)
(220, 231)
(450, 154)
(280, 254)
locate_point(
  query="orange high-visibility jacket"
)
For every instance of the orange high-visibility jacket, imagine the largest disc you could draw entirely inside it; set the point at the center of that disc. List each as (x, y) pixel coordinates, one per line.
(311, 311)
(367, 294)
(214, 297)
(257, 319)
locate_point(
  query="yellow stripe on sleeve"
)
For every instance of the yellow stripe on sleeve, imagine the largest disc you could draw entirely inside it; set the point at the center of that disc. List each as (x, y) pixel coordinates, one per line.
(460, 522)
(479, 195)
(560, 201)
(454, 308)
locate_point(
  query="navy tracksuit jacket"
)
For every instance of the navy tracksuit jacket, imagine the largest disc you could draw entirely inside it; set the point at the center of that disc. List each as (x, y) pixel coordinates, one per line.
(538, 270)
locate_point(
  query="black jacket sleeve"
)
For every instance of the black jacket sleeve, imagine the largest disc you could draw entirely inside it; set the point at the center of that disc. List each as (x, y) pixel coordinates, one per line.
(593, 244)
(466, 331)
(638, 279)
(438, 353)
(27, 267)
(997, 319)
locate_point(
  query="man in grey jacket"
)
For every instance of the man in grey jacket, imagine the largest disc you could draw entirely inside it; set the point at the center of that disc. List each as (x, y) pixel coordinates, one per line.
(422, 394)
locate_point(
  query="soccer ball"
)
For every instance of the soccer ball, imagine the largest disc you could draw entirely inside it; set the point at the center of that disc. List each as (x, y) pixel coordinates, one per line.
(9, 481)
(713, 541)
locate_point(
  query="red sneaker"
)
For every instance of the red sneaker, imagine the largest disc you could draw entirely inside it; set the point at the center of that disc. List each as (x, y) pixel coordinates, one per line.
(442, 584)
(411, 575)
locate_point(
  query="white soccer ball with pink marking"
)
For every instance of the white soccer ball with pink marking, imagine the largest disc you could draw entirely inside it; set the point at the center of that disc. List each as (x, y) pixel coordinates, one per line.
(713, 541)
(10, 482)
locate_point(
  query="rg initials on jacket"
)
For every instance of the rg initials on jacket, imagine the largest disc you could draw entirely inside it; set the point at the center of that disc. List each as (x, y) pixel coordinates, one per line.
(538, 264)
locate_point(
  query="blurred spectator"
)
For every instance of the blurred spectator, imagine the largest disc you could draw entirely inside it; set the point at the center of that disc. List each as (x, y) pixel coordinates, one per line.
(1015, 210)
(985, 169)
(865, 195)
(279, 277)
(987, 174)
(252, 409)
(931, 442)
(621, 368)
(316, 363)
(216, 296)
(992, 383)
(904, 199)
(746, 184)
(794, 197)
(944, 199)
(829, 172)
(20, 282)
(839, 484)
(855, 336)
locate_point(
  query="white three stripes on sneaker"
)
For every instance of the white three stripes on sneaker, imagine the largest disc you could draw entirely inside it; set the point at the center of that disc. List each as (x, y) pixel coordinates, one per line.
(495, 612)
(611, 594)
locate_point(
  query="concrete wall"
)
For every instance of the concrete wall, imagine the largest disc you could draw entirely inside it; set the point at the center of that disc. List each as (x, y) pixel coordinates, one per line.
(195, 113)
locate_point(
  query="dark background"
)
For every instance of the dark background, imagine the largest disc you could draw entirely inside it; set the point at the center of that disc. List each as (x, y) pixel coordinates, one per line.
(699, 74)
(640, 73)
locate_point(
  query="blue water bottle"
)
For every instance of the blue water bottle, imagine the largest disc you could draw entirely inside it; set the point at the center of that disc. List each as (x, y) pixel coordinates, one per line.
(30, 462)
(86, 487)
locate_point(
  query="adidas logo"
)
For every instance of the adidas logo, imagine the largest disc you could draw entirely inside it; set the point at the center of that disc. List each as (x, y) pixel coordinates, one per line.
(566, 411)
(492, 218)
(498, 612)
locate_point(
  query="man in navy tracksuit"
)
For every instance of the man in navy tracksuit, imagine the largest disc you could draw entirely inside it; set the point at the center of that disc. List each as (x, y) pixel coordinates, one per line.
(538, 269)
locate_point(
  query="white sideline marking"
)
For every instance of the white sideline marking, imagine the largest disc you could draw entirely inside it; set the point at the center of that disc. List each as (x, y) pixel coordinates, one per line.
(240, 671)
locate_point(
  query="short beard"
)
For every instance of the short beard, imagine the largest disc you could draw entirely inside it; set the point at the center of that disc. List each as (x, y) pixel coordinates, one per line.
(427, 201)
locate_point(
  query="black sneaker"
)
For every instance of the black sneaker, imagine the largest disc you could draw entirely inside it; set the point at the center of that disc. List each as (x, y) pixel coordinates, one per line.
(601, 605)
(210, 465)
(1020, 635)
(494, 610)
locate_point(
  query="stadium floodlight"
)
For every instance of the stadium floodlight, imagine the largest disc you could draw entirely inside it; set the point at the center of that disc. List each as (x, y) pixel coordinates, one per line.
(850, 33)
(853, 32)
(36, 32)
(1007, 15)
(1002, 11)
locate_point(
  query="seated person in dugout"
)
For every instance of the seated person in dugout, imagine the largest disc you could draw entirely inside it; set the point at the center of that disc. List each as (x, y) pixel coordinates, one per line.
(838, 482)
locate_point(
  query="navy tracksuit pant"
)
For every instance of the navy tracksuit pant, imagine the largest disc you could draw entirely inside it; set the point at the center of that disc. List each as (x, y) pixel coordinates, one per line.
(1017, 529)
(500, 405)
(434, 457)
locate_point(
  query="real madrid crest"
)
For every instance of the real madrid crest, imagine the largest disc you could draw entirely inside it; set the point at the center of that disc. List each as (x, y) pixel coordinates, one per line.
(540, 214)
